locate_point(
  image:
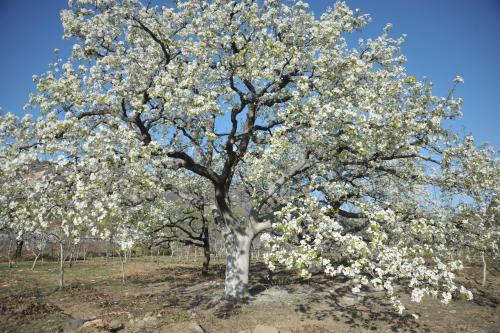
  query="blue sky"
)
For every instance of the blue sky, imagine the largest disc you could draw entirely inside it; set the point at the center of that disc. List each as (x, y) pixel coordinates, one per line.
(445, 38)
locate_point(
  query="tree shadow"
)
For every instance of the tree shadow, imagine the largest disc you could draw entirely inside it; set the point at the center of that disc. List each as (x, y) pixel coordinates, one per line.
(366, 310)
(332, 298)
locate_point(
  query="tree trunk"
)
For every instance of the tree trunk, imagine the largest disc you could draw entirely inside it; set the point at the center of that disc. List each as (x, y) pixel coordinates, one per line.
(34, 261)
(237, 242)
(122, 259)
(206, 251)
(237, 245)
(19, 248)
(483, 283)
(71, 257)
(8, 254)
(206, 259)
(61, 267)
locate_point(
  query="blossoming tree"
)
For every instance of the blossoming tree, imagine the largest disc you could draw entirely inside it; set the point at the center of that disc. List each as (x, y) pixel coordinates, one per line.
(336, 147)
(183, 215)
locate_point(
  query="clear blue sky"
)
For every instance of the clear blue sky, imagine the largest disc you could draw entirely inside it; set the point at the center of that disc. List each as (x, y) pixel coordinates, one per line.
(445, 38)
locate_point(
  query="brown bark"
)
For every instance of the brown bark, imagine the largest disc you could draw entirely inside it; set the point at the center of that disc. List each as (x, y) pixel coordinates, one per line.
(19, 248)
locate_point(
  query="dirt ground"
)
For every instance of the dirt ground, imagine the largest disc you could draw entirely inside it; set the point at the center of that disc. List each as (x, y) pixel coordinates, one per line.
(170, 296)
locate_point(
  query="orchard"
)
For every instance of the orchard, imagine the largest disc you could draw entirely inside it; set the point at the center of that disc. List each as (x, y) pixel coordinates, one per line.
(260, 124)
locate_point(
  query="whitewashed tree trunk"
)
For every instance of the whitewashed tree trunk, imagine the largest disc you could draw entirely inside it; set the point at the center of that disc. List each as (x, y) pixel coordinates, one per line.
(237, 265)
(238, 237)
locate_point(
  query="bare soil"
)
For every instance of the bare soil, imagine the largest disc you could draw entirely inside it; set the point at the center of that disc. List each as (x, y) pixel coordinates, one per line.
(171, 296)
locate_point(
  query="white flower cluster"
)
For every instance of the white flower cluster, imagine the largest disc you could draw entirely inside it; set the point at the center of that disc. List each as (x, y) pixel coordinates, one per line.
(378, 260)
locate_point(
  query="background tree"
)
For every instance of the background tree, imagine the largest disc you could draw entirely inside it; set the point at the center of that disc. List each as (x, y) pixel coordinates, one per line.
(186, 220)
